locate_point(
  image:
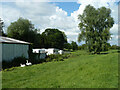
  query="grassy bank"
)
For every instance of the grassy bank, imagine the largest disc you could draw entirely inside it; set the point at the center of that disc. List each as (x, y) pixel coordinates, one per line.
(81, 70)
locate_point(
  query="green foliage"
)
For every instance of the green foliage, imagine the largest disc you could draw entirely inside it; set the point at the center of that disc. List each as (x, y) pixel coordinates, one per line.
(57, 57)
(82, 47)
(40, 41)
(34, 57)
(67, 46)
(95, 27)
(115, 47)
(83, 71)
(22, 29)
(13, 63)
(54, 38)
(21, 60)
(54, 57)
(74, 45)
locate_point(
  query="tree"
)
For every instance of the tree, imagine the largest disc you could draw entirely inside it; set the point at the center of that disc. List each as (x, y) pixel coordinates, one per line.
(1, 27)
(67, 46)
(82, 47)
(95, 27)
(107, 47)
(54, 38)
(114, 47)
(22, 29)
(74, 45)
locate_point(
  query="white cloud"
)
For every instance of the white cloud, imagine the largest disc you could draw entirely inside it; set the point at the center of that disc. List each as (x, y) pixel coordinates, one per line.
(9, 14)
(114, 32)
(114, 29)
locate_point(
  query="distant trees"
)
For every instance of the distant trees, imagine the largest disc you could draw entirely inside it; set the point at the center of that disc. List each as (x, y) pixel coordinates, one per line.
(95, 27)
(23, 29)
(54, 38)
(82, 47)
(74, 45)
(115, 47)
(71, 46)
(67, 46)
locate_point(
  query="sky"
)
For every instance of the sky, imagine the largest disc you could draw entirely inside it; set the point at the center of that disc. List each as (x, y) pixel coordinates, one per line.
(56, 14)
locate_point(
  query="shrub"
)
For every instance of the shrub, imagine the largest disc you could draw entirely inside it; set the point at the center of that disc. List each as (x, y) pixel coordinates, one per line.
(57, 57)
(13, 63)
(82, 47)
(48, 59)
(115, 47)
(60, 59)
(51, 57)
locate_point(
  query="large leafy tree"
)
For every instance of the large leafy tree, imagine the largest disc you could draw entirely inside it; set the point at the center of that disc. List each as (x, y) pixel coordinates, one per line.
(95, 27)
(54, 38)
(22, 29)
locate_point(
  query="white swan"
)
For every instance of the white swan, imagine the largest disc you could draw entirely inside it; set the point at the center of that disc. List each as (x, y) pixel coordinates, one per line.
(22, 65)
(28, 63)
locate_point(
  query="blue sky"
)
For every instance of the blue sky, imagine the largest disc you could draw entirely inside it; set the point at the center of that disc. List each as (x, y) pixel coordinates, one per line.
(60, 15)
(69, 7)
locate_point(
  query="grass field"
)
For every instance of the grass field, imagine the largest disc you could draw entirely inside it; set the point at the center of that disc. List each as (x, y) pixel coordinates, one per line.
(81, 70)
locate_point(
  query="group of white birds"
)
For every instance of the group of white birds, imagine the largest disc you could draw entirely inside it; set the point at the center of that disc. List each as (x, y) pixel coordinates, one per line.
(27, 64)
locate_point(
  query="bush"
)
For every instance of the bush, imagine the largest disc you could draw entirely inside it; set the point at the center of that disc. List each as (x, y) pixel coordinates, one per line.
(13, 63)
(82, 47)
(48, 59)
(34, 57)
(115, 47)
(57, 57)
(53, 57)
(60, 59)
(37, 61)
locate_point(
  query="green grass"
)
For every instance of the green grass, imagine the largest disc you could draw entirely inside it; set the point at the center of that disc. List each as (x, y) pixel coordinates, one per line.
(81, 70)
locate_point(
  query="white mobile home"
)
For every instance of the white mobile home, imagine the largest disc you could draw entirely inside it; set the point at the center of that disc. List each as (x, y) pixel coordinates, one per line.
(41, 52)
(48, 51)
(60, 51)
(12, 48)
(52, 51)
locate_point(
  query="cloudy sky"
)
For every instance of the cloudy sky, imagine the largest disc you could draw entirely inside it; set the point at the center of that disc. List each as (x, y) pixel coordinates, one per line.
(56, 14)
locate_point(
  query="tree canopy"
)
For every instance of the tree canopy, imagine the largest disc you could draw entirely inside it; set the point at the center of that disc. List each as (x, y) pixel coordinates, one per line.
(95, 27)
(71, 46)
(54, 38)
(74, 45)
(22, 29)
